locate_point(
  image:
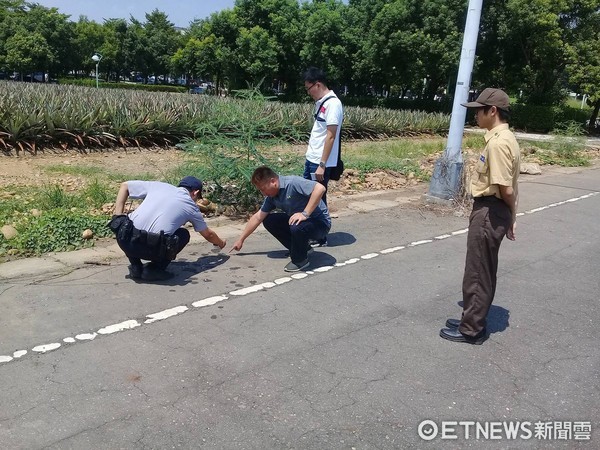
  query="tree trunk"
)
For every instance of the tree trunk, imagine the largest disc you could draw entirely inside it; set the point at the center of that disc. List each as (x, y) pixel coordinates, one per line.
(592, 122)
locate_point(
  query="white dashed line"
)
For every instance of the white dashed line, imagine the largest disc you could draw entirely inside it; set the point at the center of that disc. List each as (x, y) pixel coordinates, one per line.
(171, 312)
(127, 325)
(162, 315)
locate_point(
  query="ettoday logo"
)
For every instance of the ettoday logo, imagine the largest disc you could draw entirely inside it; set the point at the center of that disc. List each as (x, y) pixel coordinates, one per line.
(429, 430)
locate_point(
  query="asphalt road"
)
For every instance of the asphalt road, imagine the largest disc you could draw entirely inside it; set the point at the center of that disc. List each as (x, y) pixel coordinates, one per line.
(232, 354)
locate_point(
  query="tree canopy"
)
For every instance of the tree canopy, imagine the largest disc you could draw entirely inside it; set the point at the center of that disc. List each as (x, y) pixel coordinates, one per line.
(536, 49)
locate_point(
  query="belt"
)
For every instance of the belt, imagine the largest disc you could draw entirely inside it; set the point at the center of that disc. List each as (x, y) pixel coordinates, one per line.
(486, 199)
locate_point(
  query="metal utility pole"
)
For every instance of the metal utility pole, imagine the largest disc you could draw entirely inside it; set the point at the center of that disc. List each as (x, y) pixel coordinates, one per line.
(446, 179)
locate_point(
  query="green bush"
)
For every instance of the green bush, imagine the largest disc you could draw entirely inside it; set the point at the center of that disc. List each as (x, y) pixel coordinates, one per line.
(533, 118)
(544, 119)
(57, 230)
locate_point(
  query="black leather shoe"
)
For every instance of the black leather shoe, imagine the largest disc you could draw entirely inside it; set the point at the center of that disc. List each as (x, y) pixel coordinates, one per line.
(453, 323)
(452, 334)
(135, 271)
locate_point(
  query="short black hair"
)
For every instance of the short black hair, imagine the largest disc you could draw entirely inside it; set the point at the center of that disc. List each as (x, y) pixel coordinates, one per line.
(262, 174)
(315, 74)
(504, 115)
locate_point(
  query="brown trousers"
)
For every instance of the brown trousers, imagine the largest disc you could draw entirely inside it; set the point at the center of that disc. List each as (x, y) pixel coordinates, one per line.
(488, 224)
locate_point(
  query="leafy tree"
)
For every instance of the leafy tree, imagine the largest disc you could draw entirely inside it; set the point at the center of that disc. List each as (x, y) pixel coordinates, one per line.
(281, 19)
(256, 54)
(26, 52)
(583, 61)
(324, 45)
(162, 40)
(88, 38)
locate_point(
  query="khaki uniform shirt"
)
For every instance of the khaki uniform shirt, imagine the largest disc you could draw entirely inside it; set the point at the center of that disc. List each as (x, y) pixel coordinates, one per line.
(499, 163)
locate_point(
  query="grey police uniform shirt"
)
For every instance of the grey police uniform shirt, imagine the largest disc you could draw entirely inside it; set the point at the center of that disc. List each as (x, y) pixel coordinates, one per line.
(293, 196)
(165, 207)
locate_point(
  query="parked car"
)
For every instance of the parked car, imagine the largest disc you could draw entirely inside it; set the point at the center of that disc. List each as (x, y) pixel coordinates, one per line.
(198, 90)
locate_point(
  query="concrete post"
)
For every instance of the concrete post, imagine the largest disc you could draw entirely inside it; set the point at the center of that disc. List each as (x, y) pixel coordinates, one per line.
(445, 182)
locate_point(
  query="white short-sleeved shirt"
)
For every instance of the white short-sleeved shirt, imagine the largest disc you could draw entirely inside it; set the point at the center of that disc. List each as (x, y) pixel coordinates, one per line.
(165, 207)
(330, 113)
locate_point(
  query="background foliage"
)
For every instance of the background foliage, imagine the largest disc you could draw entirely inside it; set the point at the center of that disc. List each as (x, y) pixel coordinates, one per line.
(535, 49)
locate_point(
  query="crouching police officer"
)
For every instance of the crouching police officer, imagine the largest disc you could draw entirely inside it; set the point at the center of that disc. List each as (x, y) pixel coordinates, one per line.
(152, 232)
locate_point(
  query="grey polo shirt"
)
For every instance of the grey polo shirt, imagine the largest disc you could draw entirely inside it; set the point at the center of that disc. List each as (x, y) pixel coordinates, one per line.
(293, 196)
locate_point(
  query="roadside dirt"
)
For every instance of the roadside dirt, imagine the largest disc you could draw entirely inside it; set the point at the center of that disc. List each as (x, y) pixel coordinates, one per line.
(29, 170)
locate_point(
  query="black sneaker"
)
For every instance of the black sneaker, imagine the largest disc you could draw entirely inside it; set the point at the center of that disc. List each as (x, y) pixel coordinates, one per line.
(318, 243)
(293, 267)
(135, 271)
(154, 273)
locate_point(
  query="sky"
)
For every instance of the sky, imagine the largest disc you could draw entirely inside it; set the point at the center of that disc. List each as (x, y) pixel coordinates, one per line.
(180, 12)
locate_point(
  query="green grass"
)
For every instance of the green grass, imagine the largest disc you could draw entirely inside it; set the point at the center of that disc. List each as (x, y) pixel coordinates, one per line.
(563, 151)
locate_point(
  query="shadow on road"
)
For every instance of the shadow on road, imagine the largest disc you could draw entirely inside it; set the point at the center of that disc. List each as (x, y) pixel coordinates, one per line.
(497, 319)
(339, 238)
(183, 270)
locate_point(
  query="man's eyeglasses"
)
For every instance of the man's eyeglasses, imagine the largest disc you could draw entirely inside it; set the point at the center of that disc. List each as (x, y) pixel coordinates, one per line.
(310, 87)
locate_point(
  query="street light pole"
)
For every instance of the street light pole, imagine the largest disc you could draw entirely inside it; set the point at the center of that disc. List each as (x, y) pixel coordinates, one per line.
(97, 57)
(446, 179)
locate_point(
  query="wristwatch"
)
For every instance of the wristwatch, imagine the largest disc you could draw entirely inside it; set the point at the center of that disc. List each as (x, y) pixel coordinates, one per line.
(305, 214)
(321, 164)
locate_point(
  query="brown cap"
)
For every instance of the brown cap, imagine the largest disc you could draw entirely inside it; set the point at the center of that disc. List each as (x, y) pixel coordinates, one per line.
(490, 97)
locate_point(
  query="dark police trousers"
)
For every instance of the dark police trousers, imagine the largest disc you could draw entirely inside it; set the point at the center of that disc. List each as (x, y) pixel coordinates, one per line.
(295, 237)
(161, 248)
(488, 224)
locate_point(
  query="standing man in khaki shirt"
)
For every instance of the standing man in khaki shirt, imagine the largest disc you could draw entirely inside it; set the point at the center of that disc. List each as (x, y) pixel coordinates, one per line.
(495, 191)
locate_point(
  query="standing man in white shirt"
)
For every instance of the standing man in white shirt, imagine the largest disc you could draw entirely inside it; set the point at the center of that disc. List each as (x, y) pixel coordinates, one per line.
(324, 143)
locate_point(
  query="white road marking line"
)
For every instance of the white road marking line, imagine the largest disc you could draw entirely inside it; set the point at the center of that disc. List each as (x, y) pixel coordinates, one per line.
(46, 347)
(86, 336)
(369, 256)
(392, 250)
(162, 315)
(425, 241)
(127, 325)
(209, 301)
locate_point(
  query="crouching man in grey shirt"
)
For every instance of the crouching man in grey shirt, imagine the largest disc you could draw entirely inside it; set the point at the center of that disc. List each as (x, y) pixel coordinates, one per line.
(304, 215)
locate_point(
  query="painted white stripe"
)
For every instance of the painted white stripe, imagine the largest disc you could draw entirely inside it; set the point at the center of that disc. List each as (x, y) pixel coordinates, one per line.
(247, 290)
(127, 325)
(369, 256)
(46, 348)
(426, 241)
(392, 250)
(5, 359)
(323, 269)
(443, 236)
(86, 337)
(69, 340)
(299, 276)
(283, 280)
(353, 261)
(162, 315)
(458, 232)
(19, 353)
(209, 301)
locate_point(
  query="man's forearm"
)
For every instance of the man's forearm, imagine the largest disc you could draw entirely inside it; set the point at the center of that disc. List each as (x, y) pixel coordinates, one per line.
(509, 196)
(252, 225)
(212, 237)
(314, 198)
(122, 197)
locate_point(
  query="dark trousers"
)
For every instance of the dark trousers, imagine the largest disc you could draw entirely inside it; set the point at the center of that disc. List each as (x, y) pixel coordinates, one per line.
(488, 223)
(312, 168)
(295, 237)
(137, 249)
